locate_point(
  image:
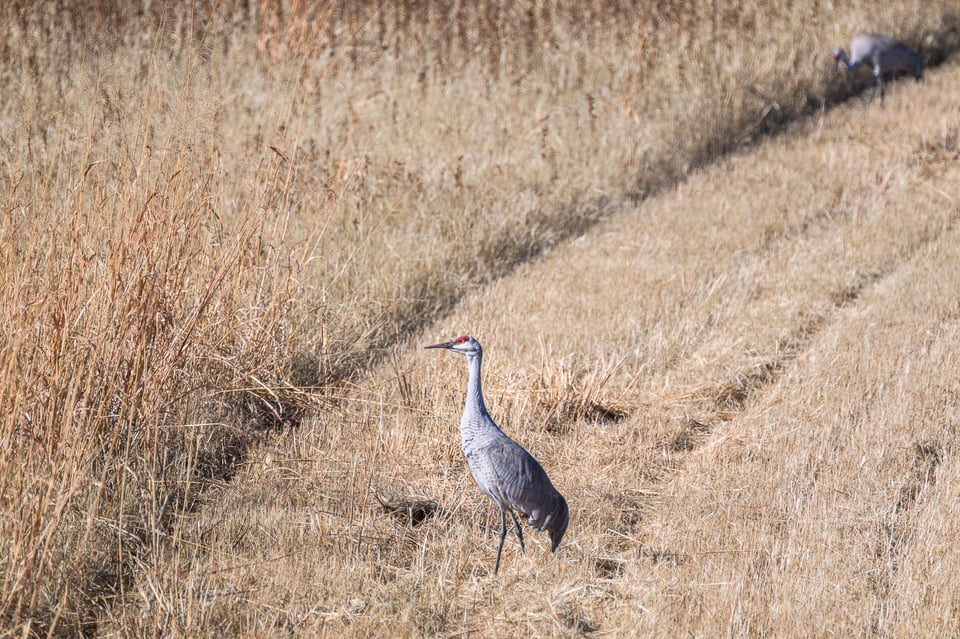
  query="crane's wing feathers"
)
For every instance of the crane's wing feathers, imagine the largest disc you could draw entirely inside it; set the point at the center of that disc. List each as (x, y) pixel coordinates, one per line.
(524, 485)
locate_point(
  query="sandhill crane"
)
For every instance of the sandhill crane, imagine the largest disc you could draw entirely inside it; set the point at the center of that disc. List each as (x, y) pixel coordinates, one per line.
(883, 53)
(504, 470)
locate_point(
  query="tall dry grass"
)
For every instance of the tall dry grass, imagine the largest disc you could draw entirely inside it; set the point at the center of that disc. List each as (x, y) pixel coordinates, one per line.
(148, 278)
(214, 213)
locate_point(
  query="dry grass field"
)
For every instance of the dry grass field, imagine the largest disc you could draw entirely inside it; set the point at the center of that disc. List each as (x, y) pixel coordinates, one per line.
(717, 295)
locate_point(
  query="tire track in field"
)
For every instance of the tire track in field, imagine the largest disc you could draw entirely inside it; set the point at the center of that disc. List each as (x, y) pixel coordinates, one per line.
(893, 533)
(732, 398)
(727, 401)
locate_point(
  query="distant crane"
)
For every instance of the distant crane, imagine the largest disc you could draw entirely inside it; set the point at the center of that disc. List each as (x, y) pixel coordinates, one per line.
(504, 471)
(881, 52)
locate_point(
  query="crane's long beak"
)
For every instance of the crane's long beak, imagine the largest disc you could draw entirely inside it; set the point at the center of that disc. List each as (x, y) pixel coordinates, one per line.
(441, 345)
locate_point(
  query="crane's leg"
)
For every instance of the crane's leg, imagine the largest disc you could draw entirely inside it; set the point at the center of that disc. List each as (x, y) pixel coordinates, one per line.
(879, 77)
(503, 536)
(516, 526)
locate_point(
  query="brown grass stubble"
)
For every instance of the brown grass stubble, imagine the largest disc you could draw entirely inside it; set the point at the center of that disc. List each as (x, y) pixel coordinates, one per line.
(347, 190)
(699, 512)
(812, 502)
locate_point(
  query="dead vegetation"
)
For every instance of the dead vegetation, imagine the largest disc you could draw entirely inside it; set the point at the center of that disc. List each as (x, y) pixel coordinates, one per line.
(221, 224)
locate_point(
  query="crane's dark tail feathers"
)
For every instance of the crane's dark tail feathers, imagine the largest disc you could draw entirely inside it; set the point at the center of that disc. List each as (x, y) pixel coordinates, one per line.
(557, 523)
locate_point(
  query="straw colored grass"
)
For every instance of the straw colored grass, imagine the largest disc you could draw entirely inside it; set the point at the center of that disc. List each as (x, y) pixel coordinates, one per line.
(225, 230)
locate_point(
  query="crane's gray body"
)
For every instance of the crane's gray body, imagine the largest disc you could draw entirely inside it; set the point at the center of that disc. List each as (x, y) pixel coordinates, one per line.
(882, 54)
(503, 469)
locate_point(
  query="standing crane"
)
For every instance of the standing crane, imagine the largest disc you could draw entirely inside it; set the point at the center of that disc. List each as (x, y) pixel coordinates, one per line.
(883, 53)
(504, 470)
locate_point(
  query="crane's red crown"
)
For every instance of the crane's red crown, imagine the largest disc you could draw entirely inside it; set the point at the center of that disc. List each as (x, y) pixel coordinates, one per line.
(461, 339)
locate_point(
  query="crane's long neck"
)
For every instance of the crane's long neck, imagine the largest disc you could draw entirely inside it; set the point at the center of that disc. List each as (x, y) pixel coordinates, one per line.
(474, 403)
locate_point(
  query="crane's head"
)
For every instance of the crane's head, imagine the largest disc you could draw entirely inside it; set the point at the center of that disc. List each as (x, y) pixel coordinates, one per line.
(464, 344)
(839, 55)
